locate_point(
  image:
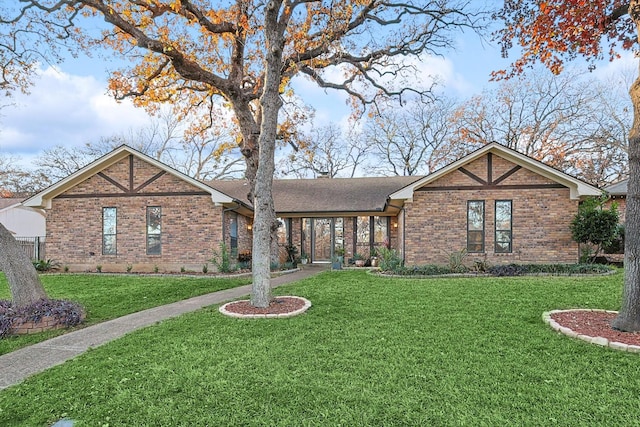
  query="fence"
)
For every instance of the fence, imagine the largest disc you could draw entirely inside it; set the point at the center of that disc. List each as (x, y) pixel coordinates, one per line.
(33, 246)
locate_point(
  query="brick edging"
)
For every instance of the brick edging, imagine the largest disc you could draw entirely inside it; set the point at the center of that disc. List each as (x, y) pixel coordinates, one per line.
(601, 341)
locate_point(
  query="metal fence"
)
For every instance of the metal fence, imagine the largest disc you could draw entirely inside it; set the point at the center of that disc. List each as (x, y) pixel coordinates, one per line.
(33, 246)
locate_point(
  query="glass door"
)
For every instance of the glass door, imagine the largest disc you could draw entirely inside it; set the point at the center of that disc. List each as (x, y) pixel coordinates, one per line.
(321, 239)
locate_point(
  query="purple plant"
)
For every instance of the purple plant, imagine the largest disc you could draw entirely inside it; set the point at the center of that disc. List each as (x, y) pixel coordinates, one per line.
(65, 313)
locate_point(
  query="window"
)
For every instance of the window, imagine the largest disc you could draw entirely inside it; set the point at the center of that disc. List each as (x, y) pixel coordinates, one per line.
(380, 231)
(363, 235)
(233, 235)
(503, 226)
(475, 226)
(109, 216)
(154, 242)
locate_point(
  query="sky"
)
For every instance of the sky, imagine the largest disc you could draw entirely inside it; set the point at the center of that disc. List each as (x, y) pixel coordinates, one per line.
(69, 105)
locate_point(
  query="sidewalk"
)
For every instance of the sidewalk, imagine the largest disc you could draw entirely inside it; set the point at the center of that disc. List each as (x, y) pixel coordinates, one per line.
(20, 364)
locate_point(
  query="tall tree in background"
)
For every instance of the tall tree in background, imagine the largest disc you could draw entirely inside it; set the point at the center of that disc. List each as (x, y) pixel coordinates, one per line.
(325, 150)
(571, 122)
(554, 31)
(413, 140)
(208, 154)
(244, 54)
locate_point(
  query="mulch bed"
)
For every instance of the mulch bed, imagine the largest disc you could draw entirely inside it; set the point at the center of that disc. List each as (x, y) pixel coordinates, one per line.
(595, 324)
(278, 305)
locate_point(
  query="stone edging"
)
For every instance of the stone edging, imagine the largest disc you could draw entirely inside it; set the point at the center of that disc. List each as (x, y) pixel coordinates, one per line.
(546, 317)
(226, 312)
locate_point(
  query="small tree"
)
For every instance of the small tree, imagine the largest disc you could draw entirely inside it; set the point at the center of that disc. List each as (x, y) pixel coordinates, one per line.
(595, 225)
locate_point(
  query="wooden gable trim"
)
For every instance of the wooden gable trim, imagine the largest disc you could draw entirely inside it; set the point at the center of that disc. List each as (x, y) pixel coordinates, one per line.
(149, 181)
(132, 191)
(507, 174)
(112, 181)
(489, 183)
(473, 176)
(493, 187)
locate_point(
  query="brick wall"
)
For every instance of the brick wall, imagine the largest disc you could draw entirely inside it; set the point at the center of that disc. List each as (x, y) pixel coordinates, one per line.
(191, 225)
(436, 221)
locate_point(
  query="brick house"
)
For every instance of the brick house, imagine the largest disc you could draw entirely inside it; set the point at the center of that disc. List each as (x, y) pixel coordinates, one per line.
(129, 209)
(618, 195)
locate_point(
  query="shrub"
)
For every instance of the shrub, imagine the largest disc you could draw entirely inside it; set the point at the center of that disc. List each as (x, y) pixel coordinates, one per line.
(46, 265)
(553, 269)
(65, 312)
(595, 225)
(222, 260)
(456, 261)
(506, 270)
(245, 257)
(389, 259)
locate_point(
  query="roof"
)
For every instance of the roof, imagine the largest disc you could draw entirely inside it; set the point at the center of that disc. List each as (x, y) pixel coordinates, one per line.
(577, 187)
(618, 189)
(43, 198)
(8, 202)
(325, 196)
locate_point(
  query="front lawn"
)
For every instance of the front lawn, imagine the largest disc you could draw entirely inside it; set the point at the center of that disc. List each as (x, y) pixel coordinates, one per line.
(109, 296)
(370, 351)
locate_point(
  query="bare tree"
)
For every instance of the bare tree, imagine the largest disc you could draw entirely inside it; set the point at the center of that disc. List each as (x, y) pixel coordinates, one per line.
(325, 151)
(413, 140)
(570, 122)
(205, 155)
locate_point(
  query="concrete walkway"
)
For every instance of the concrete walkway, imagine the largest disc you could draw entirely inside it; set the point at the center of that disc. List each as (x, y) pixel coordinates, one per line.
(20, 364)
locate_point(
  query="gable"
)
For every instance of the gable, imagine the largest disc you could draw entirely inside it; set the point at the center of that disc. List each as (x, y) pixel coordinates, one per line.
(125, 172)
(496, 166)
(491, 171)
(132, 176)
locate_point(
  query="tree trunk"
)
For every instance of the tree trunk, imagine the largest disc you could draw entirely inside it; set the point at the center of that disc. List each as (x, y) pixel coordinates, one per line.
(629, 317)
(264, 221)
(24, 283)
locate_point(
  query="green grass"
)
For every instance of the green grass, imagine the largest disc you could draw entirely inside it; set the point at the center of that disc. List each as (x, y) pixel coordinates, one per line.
(371, 351)
(109, 296)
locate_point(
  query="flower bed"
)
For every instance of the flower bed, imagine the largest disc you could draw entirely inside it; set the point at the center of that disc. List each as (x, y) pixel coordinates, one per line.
(40, 316)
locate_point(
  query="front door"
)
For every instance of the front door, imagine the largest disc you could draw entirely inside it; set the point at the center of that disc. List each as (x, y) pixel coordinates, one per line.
(321, 239)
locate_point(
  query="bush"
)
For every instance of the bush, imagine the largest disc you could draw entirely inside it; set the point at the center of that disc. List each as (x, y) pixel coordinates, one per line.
(595, 225)
(222, 260)
(66, 313)
(457, 261)
(389, 260)
(46, 265)
(506, 270)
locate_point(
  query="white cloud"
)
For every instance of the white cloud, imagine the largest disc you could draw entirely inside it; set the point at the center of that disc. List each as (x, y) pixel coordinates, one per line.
(65, 109)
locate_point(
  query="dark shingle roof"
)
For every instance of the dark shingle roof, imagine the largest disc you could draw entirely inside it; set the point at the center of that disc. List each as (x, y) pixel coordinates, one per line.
(8, 201)
(618, 189)
(324, 195)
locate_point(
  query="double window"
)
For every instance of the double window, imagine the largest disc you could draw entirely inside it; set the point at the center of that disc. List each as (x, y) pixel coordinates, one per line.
(154, 230)
(503, 237)
(109, 236)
